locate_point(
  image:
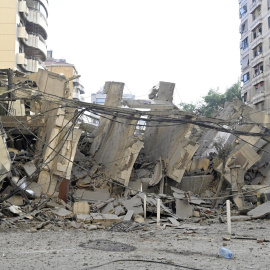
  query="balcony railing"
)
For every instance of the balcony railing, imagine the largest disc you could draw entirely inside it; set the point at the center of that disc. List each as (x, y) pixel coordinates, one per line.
(256, 22)
(255, 42)
(257, 59)
(36, 47)
(37, 23)
(258, 97)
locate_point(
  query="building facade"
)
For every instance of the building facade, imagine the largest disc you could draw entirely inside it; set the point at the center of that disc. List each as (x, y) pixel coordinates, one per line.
(60, 66)
(255, 53)
(23, 34)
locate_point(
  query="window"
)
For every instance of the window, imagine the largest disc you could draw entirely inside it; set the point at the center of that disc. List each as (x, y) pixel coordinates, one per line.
(245, 97)
(243, 10)
(246, 77)
(258, 69)
(244, 27)
(100, 101)
(245, 43)
(260, 106)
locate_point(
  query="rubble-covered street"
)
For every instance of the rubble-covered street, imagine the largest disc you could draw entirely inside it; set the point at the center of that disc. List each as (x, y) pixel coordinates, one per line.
(150, 184)
(191, 245)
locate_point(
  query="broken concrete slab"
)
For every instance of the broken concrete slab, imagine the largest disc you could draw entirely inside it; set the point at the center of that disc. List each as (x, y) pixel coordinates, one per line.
(106, 220)
(53, 204)
(129, 215)
(119, 210)
(62, 212)
(83, 218)
(183, 209)
(16, 200)
(261, 211)
(107, 209)
(92, 196)
(173, 221)
(29, 168)
(139, 219)
(197, 184)
(134, 204)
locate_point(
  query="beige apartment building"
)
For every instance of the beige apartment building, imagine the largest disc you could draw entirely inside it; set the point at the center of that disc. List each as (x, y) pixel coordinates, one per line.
(60, 66)
(23, 34)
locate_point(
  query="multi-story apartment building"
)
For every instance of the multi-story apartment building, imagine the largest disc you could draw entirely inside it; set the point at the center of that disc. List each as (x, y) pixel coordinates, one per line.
(255, 53)
(23, 34)
(60, 66)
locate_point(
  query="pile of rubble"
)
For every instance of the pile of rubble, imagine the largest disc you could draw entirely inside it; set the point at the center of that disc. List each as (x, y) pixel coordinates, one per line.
(57, 171)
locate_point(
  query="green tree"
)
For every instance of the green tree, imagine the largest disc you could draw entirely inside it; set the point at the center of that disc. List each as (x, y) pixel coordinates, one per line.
(213, 101)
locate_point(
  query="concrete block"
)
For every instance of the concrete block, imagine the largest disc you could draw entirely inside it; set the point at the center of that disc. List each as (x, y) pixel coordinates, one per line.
(81, 208)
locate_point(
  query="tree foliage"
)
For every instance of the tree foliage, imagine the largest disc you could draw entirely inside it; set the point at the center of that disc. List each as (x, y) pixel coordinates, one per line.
(213, 101)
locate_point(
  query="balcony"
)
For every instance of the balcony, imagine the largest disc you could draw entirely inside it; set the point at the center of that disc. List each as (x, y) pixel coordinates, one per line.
(35, 47)
(258, 77)
(255, 42)
(22, 34)
(254, 5)
(23, 8)
(21, 60)
(256, 22)
(37, 23)
(258, 97)
(257, 59)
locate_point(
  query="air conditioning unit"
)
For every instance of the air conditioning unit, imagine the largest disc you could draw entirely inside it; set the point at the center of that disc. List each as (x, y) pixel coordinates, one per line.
(23, 8)
(21, 60)
(22, 33)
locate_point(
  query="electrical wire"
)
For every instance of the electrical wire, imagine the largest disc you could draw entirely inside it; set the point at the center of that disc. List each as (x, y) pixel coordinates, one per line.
(144, 261)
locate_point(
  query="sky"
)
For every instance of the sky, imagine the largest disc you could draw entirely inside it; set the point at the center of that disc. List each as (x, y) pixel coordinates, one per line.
(194, 44)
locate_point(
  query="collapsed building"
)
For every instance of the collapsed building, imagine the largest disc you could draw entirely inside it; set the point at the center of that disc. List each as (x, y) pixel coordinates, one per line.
(51, 158)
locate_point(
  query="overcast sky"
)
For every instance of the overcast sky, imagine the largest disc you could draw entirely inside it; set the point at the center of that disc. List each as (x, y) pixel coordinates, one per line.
(194, 44)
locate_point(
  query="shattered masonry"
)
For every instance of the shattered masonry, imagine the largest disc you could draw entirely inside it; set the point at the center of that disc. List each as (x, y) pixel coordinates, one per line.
(56, 165)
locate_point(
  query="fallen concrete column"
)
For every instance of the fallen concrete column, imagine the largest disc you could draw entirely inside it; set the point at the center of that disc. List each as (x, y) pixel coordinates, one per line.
(171, 143)
(115, 146)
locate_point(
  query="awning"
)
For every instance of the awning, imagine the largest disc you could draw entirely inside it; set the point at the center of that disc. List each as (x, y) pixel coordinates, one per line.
(245, 61)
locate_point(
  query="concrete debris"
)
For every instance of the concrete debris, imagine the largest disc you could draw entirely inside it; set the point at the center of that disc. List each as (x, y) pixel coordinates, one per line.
(60, 171)
(260, 211)
(129, 215)
(81, 208)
